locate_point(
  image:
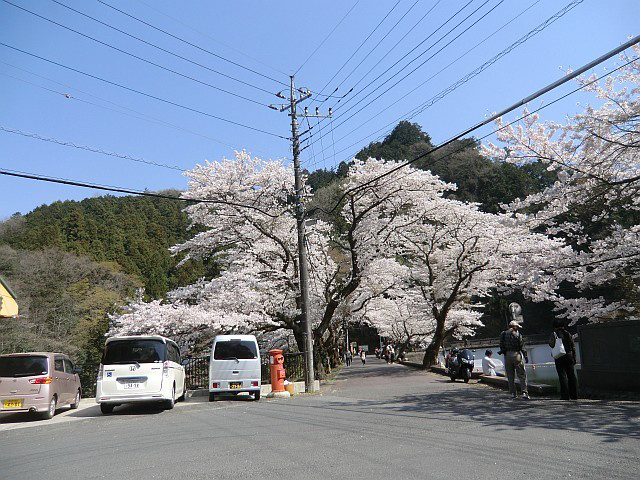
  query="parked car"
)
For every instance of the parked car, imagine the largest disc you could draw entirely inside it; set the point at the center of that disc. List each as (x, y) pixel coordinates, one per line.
(38, 382)
(234, 366)
(138, 369)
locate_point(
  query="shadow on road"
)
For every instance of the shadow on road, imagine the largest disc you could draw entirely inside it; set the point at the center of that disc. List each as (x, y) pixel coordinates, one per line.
(613, 421)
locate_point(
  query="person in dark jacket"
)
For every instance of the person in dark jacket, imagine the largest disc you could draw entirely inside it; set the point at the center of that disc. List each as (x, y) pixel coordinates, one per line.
(565, 365)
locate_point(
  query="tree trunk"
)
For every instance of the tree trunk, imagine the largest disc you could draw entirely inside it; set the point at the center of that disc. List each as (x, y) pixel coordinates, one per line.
(431, 353)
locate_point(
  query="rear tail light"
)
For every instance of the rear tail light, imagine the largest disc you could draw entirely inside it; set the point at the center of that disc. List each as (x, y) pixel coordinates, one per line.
(41, 380)
(100, 372)
(254, 384)
(215, 385)
(165, 369)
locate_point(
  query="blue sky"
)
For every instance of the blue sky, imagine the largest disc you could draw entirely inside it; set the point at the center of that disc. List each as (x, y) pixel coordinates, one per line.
(274, 39)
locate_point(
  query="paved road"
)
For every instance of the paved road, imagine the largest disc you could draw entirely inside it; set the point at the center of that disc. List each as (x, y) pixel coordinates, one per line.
(373, 421)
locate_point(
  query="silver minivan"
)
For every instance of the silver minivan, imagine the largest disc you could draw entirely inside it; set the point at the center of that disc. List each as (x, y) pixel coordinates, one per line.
(141, 368)
(234, 366)
(38, 382)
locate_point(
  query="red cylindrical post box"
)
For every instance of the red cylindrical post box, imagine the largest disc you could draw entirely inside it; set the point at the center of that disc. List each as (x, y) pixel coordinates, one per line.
(278, 374)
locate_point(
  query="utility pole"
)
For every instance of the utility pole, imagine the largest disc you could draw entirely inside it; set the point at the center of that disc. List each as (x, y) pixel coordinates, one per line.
(309, 375)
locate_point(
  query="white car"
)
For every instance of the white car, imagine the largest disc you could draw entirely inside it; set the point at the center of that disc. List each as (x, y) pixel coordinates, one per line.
(140, 369)
(234, 366)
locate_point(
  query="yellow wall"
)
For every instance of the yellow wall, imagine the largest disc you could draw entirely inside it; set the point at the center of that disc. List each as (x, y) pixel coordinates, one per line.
(9, 306)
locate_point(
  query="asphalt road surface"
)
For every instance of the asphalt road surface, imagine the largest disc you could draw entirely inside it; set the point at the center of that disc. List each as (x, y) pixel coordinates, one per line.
(371, 422)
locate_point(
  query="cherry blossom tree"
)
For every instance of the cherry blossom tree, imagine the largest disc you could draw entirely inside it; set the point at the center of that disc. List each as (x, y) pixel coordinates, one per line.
(595, 203)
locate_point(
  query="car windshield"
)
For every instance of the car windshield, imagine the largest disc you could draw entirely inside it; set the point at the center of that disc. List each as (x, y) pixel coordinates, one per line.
(23, 366)
(134, 351)
(235, 350)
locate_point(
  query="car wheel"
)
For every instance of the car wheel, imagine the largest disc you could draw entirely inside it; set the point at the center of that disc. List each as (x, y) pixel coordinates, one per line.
(452, 377)
(51, 411)
(76, 401)
(106, 408)
(212, 397)
(168, 405)
(182, 397)
(256, 396)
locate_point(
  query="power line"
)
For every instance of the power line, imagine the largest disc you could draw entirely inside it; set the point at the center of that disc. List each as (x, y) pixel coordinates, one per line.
(111, 188)
(137, 57)
(413, 112)
(190, 43)
(162, 49)
(421, 64)
(327, 37)
(143, 93)
(360, 46)
(211, 38)
(528, 114)
(337, 107)
(518, 104)
(135, 113)
(420, 108)
(67, 143)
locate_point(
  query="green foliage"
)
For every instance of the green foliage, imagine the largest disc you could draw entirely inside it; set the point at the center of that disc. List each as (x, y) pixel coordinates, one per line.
(132, 232)
(478, 179)
(64, 302)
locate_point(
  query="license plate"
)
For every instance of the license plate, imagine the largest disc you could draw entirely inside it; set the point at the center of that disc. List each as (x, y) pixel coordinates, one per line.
(235, 385)
(12, 404)
(129, 385)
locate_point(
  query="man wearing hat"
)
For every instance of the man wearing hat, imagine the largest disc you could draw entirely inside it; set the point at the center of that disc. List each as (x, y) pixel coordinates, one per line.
(512, 345)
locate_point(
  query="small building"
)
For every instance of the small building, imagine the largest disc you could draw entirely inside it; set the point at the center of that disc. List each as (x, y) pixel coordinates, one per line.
(8, 301)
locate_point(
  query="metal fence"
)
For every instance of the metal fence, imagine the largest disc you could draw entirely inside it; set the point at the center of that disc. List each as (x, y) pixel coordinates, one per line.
(197, 370)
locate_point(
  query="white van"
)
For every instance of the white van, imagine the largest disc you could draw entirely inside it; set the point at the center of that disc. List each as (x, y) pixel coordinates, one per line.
(234, 366)
(140, 369)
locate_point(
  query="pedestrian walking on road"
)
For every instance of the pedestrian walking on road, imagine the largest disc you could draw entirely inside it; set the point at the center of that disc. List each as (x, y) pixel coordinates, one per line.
(348, 357)
(363, 356)
(512, 345)
(392, 354)
(565, 363)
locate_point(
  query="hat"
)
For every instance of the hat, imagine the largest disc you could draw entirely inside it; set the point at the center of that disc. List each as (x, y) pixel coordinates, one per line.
(513, 323)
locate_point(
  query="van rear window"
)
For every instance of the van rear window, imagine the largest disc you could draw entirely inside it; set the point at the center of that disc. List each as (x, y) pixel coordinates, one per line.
(23, 366)
(235, 349)
(132, 351)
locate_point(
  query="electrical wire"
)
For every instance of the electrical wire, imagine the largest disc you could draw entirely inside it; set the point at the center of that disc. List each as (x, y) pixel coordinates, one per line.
(518, 104)
(337, 107)
(137, 57)
(359, 47)
(190, 27)
(415, 58)
(112, 188)
(413, 112)
(190, 43)
(67, 143)
(135, 113)
(144, 93)
(163, 49)
(325, 38)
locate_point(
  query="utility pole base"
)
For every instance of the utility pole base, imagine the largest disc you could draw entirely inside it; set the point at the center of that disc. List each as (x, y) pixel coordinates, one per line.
(312, 387)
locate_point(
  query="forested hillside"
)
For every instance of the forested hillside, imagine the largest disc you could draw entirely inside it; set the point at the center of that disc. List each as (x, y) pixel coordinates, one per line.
(478, 178)
(133, 232)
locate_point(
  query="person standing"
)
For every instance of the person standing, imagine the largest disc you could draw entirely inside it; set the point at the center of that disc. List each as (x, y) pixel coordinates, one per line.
(565, 365)
(488, 365)
(512, 345)
(348, 357)
(363, 356)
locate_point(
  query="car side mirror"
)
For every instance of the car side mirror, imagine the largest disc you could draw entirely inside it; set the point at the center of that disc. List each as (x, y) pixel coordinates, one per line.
(77, 370)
